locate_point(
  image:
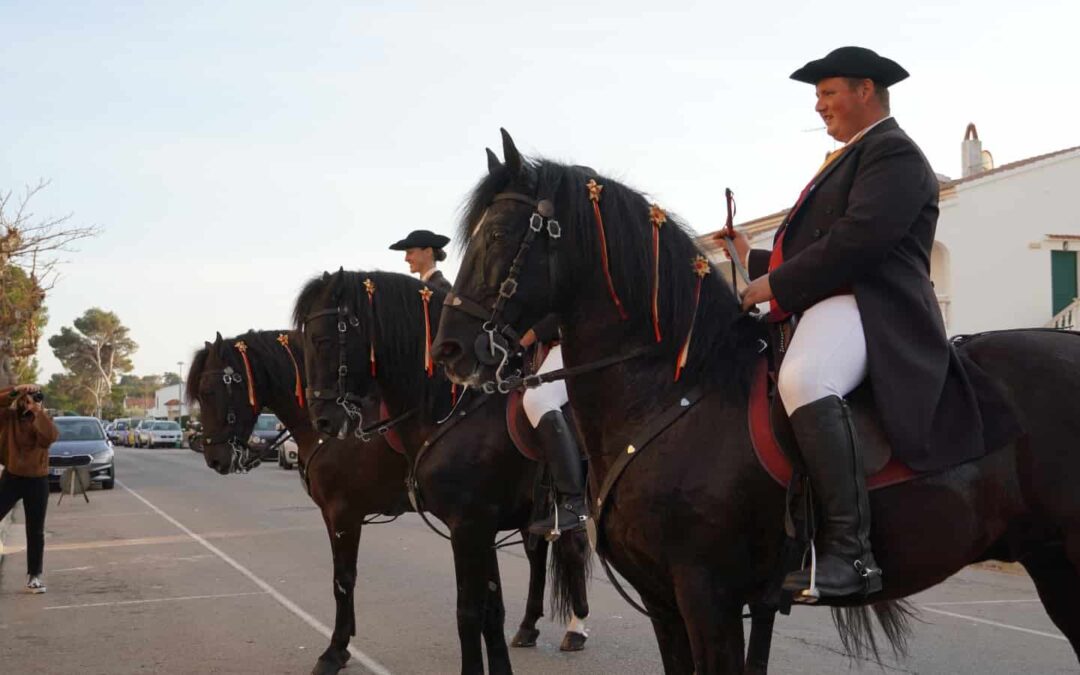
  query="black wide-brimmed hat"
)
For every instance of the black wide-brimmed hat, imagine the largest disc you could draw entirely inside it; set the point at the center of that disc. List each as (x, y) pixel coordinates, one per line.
(852, 62)
(420, 239)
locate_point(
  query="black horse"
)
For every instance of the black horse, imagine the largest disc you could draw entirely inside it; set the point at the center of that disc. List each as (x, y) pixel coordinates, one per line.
(694, 522)
(467, 471)
(352, 482)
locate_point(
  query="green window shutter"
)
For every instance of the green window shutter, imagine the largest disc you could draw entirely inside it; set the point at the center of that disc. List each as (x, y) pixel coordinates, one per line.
(1062, 278)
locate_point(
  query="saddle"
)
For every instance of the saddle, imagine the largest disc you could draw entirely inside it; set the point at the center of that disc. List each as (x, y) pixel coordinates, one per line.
(775, 445)
(522, 432)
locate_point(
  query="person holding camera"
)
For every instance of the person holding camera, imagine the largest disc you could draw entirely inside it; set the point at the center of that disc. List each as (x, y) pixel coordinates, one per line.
(26, 432)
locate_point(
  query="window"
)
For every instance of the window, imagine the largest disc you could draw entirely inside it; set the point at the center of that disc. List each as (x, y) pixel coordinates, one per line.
(1062, 279)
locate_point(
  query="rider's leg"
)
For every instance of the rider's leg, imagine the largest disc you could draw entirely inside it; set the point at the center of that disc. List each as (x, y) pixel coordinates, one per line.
(543, 406)
(825, 362)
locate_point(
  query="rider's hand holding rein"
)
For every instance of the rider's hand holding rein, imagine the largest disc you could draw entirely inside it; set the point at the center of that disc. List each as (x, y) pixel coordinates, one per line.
(759, 289)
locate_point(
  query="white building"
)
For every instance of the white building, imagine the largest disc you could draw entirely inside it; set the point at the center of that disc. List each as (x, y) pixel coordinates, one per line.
(169, 403)
(1005, 255)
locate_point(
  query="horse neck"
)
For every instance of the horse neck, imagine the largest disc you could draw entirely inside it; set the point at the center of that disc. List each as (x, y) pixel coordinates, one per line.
(295, 418)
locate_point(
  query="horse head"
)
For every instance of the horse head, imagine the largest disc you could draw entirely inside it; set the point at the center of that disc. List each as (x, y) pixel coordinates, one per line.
(508, 273)
(221, 381)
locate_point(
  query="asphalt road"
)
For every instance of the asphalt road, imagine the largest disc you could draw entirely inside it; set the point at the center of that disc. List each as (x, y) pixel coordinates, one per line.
(179, 570)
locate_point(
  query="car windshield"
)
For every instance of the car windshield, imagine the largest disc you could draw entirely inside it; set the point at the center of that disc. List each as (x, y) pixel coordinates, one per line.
(266, 423)
(166, 426)
(79, 430)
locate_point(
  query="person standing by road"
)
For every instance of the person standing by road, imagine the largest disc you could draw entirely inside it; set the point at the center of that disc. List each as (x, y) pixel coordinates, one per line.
(26, 432)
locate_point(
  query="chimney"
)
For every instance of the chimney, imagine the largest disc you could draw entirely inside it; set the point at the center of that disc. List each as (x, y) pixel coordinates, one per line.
(973, 159)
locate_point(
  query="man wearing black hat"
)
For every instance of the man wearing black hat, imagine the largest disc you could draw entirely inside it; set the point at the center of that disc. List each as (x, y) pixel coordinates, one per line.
(424, 248)
(852, 262)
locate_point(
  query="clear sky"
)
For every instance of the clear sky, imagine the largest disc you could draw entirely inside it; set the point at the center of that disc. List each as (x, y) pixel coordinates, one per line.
(229, 150)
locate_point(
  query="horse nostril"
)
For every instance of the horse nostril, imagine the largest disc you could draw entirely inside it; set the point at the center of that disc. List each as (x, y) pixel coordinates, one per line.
(447, 351)
(323, 425)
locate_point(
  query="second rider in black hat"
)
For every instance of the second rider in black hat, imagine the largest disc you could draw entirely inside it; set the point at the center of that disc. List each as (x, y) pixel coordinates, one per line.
(423, 249)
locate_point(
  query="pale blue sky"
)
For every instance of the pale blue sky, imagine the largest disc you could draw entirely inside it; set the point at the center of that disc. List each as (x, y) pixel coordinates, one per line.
(230, 150)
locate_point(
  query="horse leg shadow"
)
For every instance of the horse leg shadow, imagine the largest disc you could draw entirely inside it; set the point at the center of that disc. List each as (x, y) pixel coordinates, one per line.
(1055, 569)
(344, 544)
(527, 632)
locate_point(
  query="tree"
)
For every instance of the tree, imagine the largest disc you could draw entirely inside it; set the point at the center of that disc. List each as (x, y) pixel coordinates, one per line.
(29, 250)
(171, 379)
(95, 352)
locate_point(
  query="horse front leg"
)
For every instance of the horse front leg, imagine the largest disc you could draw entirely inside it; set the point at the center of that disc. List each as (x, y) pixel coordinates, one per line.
(471, 563)
(495, 620)
(762, 619)
(527, 632)
(713, 618)
(344, 545)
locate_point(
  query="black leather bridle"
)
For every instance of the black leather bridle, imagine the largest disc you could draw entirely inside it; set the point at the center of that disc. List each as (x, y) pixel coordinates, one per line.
(497, 338)
(242, 458)
(340, 395)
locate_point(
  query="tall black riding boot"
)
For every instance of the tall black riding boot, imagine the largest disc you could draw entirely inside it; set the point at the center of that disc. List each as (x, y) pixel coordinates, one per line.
(845, 564)
(564, 461)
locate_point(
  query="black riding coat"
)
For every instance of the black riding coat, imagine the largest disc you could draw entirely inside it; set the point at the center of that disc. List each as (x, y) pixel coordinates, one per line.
(439, 282)
(868, 224)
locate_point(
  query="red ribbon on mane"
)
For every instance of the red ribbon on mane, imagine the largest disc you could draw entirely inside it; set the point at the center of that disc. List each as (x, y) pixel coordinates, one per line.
(283, 340)
(594, 196)
(242, 347)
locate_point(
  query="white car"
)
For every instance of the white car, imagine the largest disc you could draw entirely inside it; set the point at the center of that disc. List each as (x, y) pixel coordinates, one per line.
(159, 433)
(288, 454)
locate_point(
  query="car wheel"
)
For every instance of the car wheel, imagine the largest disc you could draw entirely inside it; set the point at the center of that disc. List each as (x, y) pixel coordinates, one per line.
(110, 482)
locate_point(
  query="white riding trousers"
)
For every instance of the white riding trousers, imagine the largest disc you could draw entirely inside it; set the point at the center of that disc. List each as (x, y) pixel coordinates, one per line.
(547, 397)
(827, 355)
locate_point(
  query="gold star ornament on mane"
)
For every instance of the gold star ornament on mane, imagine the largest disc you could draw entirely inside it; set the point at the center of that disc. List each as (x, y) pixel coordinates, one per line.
(700, 264)
(426, 293)
(241, 346)
(657, 216)
(283, 340)
(369, 286)
(594, 190)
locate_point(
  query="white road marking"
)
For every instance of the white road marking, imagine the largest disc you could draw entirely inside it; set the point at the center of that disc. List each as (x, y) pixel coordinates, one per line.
(979, 602)
(994, 623)
(368, 662)
(142, 602)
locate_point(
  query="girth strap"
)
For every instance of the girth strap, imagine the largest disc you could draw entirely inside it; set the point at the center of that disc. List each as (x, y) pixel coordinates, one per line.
(639, 441)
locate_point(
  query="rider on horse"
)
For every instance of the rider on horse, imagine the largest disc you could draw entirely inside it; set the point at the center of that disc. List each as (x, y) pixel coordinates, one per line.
(543, 406)
(423, 249)
(852, 262)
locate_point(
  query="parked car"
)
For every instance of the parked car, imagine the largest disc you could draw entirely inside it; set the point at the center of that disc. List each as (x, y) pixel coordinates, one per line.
(118, 433)
(267, 428)
(159, 433)
(288, 454)
(133, 431)
(82, 442)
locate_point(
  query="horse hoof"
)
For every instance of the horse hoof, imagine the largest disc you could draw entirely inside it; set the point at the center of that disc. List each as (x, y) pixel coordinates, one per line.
(573, 642)
(525, 637)
(330, 662)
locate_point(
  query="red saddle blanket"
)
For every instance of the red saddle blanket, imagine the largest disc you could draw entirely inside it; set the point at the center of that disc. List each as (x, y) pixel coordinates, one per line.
(517, 425)
(882, 469)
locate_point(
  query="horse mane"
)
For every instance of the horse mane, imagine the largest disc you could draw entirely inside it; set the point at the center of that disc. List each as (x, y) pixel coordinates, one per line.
(270, 363)
(723, 336)
(396, 320)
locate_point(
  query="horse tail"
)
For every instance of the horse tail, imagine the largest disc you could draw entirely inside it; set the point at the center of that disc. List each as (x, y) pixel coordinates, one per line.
(857, 632)
(571, 569)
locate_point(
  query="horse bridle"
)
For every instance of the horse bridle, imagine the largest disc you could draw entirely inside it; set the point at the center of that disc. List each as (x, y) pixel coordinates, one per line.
(497, 338)
(342, 397)
(242, 460)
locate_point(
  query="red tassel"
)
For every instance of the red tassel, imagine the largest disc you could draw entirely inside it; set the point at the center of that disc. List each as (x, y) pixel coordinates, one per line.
(242, 347)
(453, 395)
(657, 217)
(594, 196)
(429, 363)
(369, 286)
(283, 340)
(701, 269)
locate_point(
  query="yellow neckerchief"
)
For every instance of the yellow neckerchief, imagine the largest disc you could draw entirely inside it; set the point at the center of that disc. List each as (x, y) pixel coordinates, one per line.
(831, 156)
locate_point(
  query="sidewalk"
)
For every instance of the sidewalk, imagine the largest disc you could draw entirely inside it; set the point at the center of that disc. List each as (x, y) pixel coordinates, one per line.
(5, 523)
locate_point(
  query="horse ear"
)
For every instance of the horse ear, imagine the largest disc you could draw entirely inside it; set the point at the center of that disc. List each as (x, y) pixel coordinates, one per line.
(218, 339)
(208, 345)
(493, 161)
(511, 154)
(325, 275)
